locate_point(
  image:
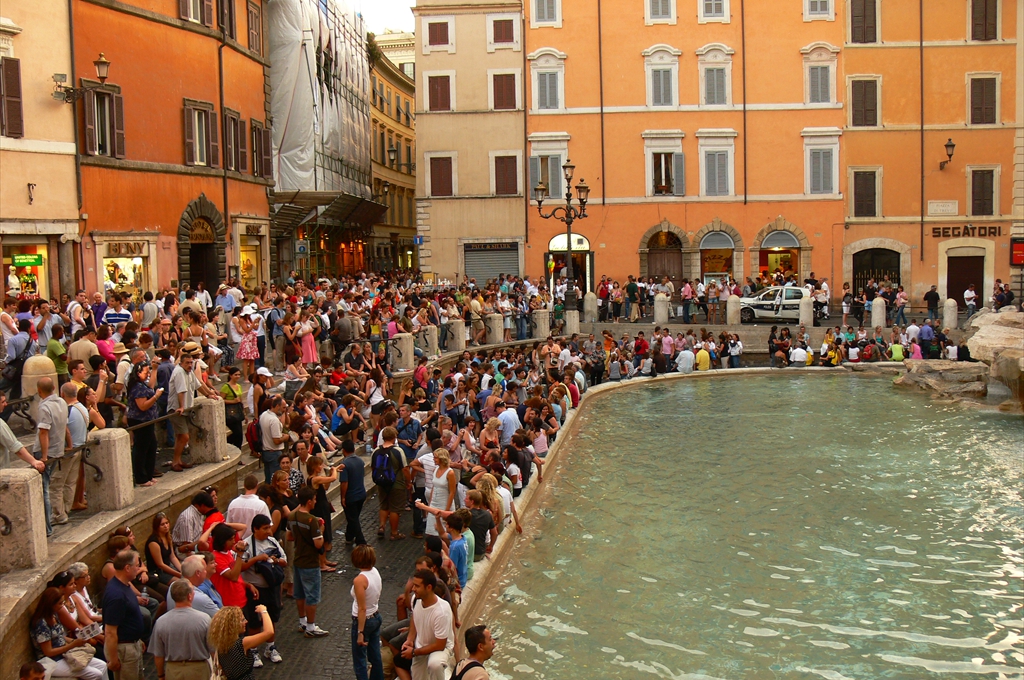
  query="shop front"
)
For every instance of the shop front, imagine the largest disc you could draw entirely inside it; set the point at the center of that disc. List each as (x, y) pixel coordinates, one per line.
(25, 268)
(716, 256)
(556, 259)
(252, 238)
(125, 262)
(485, 260)
(780, 254)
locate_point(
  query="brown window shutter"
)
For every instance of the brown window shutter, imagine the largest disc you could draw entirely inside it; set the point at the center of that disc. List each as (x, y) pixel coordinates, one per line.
(13, 118)
(437, 33)
(978, 19)
(990, 19)
(981, 192)
(988, 104)
(505, 176)
(89, 111)
(190, 136)
(229, 146)
(444, 94)
(864, 194)
(183, 9)
(118, 126)
(504, 91)
(208, 13)
(870, 22)
(212, 140)
(504, 31)
(255, 29)
(441, 176)
(268, 155)
(243, 153)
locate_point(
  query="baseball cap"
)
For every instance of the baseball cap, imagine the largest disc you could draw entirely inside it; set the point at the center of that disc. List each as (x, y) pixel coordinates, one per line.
(264, 371)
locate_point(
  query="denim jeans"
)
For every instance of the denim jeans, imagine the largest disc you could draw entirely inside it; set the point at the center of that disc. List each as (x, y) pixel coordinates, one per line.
(900, 314)
(933, 313)
(46, 493)
(361, 654)
(261, 345)
(628, 307)
(521, 328)
(271, 466)
(419, 518)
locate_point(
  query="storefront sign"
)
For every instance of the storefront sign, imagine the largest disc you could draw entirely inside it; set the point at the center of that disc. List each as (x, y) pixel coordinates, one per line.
(492, 246)
(1017, 252)
(201, 232)
(254, 230)
(966, 231)
(943, 207)
(32, 260)
(126, 248)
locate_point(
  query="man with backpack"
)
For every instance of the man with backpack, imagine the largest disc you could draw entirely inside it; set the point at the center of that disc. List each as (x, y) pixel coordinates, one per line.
(480, 647)
(265, 562)
(391, 474)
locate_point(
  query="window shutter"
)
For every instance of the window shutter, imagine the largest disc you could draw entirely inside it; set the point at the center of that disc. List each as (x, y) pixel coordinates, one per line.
(504, 31)
(534, 173)
(870, 93)
(862, 15)
(267, 160)
(225, 15)
(118, 126)
(864, 194)
(982, 192)
(229, 146)
(441, 176)
(208, 13)
(555, 176)
(183, 9)
(988, 100)
(255, 29)
(438, 33)
(212, 140)
(190, 136)
(243, 154)
(816, 172)
(678, 174)
(990, 19)
(656, 92)
(711, 173)
(826, 171)
(723, 172)
(13, 118)
(818, 77)
(89, 111)
(504, 85)
(714, 86)
(440, 93)
(978, 20)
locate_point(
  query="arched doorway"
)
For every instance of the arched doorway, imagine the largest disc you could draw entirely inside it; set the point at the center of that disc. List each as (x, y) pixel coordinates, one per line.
(555, 261)
(716, 256)
(202, 239)
(665, 256)
(877, 264)
(780, 252)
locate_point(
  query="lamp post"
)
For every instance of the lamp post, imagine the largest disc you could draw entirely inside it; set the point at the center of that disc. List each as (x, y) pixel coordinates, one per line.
(69, 95)
(567, 214)
(949, 146)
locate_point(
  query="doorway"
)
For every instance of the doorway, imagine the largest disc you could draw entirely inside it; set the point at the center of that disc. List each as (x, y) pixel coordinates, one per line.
(875, 263)
(665, 257)
(204, 269)
(961, 272)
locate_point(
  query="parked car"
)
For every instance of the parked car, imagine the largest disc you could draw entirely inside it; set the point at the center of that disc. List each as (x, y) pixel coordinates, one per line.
(775, 303)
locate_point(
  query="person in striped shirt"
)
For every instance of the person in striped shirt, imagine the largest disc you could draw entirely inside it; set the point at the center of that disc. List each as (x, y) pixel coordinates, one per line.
(115, 313)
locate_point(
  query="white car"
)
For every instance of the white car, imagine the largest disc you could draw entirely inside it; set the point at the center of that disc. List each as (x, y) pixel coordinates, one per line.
(776, 303)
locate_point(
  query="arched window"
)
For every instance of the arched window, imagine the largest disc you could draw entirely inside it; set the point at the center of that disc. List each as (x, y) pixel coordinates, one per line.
(780, 239)
(664, 240)
(717, 239)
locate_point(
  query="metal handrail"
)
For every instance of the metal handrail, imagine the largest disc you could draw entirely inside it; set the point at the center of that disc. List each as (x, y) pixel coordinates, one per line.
(21, 407)
(8, 526)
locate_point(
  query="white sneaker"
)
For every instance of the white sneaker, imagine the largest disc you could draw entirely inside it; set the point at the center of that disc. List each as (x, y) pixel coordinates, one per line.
(257, 662)
(316, 632)
(273, 655)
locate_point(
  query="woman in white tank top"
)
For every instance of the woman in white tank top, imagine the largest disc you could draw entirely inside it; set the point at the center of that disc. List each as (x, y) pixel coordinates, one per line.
(366, 620)
(442, 494)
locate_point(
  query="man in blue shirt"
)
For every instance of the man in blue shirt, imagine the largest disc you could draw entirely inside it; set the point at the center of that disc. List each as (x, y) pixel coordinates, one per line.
(926, 337)
(410, 432)
(19, 348)
(225, 300)
(196, 569)
(123, 625)
(353, 492)
(115, 313)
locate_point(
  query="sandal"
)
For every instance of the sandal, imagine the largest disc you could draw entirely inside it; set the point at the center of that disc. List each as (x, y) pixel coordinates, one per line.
(380, 532)
(397, 537)
(327, 570)
(177, 468)
(332, 564)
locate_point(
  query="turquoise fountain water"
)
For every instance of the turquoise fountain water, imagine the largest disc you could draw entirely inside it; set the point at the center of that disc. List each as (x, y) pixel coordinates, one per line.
(772, 527)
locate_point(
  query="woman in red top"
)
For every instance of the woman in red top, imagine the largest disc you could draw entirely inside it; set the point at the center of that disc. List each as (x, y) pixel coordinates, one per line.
(227, 578)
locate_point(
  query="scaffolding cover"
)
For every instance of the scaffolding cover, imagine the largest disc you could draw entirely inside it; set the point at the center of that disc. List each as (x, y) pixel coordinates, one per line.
(320, 83)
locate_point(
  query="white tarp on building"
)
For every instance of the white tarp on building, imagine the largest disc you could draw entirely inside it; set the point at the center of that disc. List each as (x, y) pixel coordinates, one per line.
(320, 85)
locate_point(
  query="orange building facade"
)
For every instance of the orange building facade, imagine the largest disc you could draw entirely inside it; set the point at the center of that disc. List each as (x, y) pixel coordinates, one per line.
(174, 147)
(717, 137)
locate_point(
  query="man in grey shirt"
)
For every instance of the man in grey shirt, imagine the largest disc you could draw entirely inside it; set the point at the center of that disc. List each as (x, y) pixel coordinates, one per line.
(195, 570)
(51, 436)
(178, 642)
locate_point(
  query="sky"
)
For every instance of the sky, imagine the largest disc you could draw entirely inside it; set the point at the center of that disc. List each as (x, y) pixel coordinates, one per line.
(382, 14)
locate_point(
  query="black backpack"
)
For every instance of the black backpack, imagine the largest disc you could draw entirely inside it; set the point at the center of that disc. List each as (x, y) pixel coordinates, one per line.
(383, 474)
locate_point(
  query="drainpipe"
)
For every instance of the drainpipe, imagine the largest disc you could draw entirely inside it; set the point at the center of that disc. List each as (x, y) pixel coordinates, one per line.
(223, 142)
(80, 279)
(920, 53)
(526, 143)
(743, 68)
(600, 91)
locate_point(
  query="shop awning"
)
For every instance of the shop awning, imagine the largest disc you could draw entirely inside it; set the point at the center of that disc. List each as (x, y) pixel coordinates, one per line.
(294, 208)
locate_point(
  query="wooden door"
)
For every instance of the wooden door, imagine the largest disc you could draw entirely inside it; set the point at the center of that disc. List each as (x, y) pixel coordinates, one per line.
(665, 263)
(962, 272)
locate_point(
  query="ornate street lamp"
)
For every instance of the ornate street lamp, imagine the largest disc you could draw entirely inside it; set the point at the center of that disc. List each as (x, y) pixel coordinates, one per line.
(950, 146)
(566, 214)
(70, 95)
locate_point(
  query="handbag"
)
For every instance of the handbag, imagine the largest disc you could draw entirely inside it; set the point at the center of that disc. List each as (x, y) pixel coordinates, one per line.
(13, 368)
(78, 658)
(218, 672)
(272, 573)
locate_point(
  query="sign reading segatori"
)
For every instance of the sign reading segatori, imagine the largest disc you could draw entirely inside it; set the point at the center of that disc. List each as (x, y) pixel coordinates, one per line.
(966, 231)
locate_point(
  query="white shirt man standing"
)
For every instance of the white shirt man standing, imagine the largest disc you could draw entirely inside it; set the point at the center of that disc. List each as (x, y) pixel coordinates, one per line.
(431, 637)
(243, 508)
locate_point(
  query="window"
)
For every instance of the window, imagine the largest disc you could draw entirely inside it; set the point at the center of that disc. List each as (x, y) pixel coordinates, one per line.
(439, 93)
(196, 11)
(262, 150)
(659, 12)
(863, 21)
(202, 143)
(547, 170)
(983, 101)
(441, 178)
(504, 31)
(821, 171)
(545, 12)
(668, 173)
(12, 121)
(818, 8)
(409, 69)
(716, 173)
(408, 157)
(983, 192)
(387, 156)
(504, 91)
(714, 87)
(547, 90)
(506, 176)
(255, 29)
(819, 85)
(104, 123)
(865, 103)
(227, 17)
(236, 155)
(713, 10)
(408, 116)
(437, 33)
(661, 87)
(383, 149)
(984, 19)
(865, 193)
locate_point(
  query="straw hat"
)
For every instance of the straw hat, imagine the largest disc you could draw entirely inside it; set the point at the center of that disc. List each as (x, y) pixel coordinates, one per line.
(119, 348)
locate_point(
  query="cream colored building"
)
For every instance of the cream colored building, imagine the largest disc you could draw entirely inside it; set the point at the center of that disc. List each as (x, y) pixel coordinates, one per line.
(392, 129)
(38, 191)
(400, 48)
(471, 179)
